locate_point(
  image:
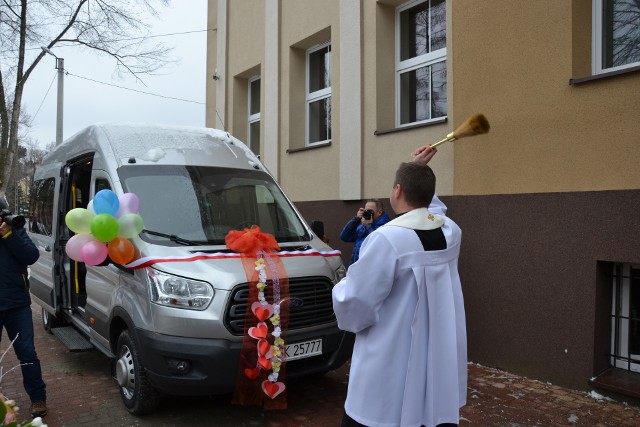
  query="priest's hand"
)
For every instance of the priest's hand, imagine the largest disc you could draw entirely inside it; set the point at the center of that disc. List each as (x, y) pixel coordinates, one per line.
(424, 154)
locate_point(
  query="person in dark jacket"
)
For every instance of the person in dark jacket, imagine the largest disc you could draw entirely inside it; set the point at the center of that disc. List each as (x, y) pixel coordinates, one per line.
(367, 219)
(17, 252)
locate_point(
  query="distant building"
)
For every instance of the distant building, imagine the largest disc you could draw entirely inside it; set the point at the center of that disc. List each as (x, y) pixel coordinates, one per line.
(334, 94)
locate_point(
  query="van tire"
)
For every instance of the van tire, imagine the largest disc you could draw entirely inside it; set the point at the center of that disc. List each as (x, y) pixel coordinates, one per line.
(138, 396)
(49, 321)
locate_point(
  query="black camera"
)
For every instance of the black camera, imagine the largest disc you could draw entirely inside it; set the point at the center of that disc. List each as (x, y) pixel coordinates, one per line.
(17, 221)
(367, 214)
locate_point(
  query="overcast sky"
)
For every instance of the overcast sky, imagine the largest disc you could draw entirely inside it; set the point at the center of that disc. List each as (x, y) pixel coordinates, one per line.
(87, 102)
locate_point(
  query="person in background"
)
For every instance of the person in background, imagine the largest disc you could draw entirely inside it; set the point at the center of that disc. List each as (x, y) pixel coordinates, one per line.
(34, 223)
(366, 220)
(17, 252)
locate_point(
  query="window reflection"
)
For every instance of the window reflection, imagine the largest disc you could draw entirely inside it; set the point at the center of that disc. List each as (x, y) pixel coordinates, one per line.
(421, 70)
(423, 93)
(422, 29)
(621, 33)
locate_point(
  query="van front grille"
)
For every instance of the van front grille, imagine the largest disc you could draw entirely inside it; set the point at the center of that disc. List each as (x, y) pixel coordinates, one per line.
(312, 304)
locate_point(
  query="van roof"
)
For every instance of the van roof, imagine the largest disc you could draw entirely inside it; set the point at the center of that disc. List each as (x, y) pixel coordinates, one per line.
(154, 143)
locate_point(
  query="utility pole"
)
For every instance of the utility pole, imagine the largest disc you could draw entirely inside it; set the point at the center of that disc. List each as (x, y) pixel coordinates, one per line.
(59, 111)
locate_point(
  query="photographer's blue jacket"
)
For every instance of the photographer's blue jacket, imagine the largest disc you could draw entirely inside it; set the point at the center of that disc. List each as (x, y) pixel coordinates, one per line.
(17, 251)
(355, 232)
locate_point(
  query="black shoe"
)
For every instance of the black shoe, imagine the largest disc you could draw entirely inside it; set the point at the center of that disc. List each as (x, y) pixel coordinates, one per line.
(39, 409)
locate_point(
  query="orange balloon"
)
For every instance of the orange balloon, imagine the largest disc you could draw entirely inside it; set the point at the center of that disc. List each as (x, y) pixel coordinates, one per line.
(121, 251)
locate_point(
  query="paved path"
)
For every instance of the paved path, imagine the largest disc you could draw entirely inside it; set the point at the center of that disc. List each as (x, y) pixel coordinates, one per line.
(82, 394)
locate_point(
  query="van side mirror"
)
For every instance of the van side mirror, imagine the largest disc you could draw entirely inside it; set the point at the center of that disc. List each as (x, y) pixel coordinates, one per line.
(318, 229)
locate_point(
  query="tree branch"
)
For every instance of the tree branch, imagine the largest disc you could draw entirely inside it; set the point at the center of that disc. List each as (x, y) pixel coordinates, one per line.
(56, 39)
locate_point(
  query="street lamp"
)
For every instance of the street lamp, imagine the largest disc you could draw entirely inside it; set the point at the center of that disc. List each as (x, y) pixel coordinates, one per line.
(59, 113)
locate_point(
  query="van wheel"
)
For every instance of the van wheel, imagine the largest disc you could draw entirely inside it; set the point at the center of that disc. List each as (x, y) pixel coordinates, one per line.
(137, 394)
(49, 321)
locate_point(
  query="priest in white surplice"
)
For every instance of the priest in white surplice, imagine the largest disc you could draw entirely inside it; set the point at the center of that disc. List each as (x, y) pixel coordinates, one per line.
(403, 300)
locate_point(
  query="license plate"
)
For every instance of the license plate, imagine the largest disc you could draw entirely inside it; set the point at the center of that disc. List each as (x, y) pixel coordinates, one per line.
(304, 349)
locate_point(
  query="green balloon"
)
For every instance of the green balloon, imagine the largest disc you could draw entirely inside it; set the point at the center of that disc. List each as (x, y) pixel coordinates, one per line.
(79, 220)
(104, 227)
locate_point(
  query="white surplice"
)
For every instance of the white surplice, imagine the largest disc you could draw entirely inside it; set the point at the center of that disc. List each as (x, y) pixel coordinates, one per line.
(409, 363)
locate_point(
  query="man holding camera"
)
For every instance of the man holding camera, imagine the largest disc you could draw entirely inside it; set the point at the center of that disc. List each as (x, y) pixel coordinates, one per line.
(17, 252)
(367, 219)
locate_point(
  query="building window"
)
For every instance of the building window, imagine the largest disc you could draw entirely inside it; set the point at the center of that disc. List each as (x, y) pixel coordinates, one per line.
(253, 129)
(319, 94)
(625, 316)
(616, 32)
(421, 61)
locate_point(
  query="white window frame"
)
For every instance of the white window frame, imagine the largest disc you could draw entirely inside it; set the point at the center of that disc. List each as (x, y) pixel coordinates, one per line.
(597, 30)
(252, 118)
(318, 95)
(411, 64)
(623, 332)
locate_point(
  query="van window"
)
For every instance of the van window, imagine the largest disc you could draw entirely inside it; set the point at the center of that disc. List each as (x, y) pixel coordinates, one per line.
(102, 184)
(203, 204)
(41, 217)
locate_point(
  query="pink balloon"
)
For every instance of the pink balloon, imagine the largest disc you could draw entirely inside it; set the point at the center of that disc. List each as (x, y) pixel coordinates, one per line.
(93, 253)
(75, 244)
(129, 203)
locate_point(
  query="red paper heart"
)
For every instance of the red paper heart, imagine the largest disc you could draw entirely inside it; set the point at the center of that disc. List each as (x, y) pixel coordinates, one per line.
(264, 363)
(272, 389)
(252, 373)
(262, 312)
(263, 347)
(258, 332)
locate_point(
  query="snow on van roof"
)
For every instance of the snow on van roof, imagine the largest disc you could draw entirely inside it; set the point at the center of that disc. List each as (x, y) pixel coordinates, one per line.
(145, 141)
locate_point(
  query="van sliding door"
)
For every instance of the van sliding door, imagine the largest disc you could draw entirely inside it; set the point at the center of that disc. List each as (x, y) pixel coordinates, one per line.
(74, 193)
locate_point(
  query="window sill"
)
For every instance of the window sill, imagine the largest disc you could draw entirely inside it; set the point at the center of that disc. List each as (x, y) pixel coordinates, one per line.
(603, 75)
(619, 381)
(309, 147)
(403, 128)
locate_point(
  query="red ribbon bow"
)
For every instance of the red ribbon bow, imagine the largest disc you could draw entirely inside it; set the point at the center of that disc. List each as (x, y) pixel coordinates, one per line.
(250, 241)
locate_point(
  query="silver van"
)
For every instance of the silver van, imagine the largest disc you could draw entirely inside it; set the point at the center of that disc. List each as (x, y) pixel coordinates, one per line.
(176, 327)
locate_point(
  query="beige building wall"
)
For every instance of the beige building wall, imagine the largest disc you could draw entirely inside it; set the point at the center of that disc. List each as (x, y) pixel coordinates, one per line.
(384, 146)
(309, 174)
(547, 135)
(246, 42)
(212, 52)
(363, 165)
(515, 66)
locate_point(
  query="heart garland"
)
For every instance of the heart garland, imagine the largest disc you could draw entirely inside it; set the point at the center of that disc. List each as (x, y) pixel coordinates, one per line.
(261, 373)
(270, 356)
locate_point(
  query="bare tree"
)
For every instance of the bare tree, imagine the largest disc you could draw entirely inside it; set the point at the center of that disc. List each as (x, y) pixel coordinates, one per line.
(107, 27)
(33, 156)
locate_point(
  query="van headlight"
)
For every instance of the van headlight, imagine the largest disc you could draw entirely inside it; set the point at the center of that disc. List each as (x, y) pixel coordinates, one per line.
(340, 273)
(176, 291)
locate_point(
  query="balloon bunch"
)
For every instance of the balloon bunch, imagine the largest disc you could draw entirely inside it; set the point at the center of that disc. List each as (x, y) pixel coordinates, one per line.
(103, 228)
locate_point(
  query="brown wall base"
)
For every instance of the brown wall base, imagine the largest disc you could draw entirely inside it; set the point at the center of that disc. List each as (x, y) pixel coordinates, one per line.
(535, 271)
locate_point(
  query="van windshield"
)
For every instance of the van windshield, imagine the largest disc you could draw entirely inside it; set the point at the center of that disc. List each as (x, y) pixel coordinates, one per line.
(202, 204)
